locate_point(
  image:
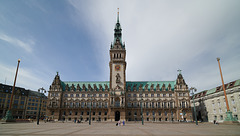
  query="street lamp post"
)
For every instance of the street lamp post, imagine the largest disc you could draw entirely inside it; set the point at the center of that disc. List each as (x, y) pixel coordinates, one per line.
(90, 107)
(141, 106)
(41, 91)
(193, 89)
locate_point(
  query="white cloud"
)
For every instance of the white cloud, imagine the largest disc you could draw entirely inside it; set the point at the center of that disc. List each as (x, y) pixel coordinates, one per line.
(26, 45)
(26, 78)
(162, 36)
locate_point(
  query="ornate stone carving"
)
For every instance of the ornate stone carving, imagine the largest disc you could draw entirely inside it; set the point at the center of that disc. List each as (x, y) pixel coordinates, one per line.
(118, 78)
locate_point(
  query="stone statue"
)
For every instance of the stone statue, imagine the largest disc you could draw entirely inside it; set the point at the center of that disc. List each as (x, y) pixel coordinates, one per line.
(118, 78)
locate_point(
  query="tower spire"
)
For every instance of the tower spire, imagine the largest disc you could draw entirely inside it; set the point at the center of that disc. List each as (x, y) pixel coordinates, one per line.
(118, 16)
(118, 33)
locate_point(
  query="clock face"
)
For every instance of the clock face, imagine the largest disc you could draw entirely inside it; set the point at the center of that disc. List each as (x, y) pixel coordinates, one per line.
(117, 67)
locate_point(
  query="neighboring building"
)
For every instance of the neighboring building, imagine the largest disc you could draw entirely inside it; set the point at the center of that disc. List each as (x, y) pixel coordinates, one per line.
(119, 99)
(25, 103)
(211, 105)
(33, 104)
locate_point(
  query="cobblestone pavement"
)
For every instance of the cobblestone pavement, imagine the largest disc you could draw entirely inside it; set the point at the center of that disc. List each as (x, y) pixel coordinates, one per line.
(109, 129)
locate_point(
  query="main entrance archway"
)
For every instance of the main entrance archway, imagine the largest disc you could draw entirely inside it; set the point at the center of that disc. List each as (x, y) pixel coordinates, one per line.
(117, 116)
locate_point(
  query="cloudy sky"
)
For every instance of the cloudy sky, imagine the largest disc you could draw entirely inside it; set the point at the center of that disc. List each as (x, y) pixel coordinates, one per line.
(73, 37)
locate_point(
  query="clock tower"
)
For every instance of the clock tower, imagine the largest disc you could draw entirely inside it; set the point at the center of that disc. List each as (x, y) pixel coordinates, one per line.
(117, 84)
(117, 62)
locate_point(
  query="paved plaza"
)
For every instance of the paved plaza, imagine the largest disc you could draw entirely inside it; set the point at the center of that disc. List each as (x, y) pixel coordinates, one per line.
(109, 129)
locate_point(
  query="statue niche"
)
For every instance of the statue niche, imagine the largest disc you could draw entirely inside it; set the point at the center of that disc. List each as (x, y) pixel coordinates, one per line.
(118, 78)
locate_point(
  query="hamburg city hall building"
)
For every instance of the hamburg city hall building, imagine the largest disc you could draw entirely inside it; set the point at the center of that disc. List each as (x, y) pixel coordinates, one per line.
(119, 99)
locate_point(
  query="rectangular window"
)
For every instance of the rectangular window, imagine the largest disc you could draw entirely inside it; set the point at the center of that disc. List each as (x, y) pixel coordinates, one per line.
(94, 113)
(106, 95)
(152, 95)
(106, 104)
(77, 95)
(105, 113)
(129, 95)
(134, 95)
(22, 98)
(171, 104)
(170, 95)
(158, 95)
(214, 111)
(129, 105)
(99, 113)
(164, 95)
(165, 104)
(146, 95)
(15, 101)
(65, 95)
(233, 102)
(83, 95)
(88, 104)
(94, 95)
(159, 113)
(183, 104)
(135, 104)
(77, 104)
(234, 109)
(76, 113)
(82, 104)
(221, 117)
(100, 95)
(22, 102)
(100, 105)
(94, 104)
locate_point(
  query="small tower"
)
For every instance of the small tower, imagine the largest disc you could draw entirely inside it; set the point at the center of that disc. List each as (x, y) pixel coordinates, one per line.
(54, 98)
(182, 98)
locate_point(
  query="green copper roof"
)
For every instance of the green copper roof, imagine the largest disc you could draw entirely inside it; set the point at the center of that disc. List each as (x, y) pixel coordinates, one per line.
(81, 83)
(150, 83)
(237, 83)
(128, 83)
(213, 90)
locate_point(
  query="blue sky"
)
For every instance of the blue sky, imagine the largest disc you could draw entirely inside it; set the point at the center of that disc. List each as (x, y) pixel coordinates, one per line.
(73, 37)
